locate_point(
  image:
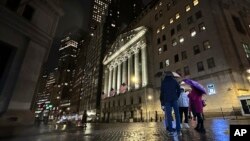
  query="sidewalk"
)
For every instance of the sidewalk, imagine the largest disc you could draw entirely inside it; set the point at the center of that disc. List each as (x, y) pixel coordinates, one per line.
(217, 130)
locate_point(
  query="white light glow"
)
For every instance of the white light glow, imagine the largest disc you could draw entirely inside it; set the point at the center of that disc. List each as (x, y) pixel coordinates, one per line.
(193, 33)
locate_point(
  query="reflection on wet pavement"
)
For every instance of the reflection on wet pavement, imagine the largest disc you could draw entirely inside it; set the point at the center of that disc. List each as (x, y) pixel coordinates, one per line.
(217, 130)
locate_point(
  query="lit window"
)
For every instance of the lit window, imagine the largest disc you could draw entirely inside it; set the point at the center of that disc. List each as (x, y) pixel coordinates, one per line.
(195, 2)
(202, 27)
(177, 16)
(174, 42)
(160, 50)
(160, 3)
(246, 49)
(113, 25)
(192, 32)
(188, 8)
(181, 39)
(65, 84)
(163, 27)
(158, 31)
(171, 20)
(206, 45)
(167, 62)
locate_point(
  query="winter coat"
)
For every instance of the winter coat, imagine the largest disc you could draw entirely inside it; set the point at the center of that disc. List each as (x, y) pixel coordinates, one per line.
(183, 100)
(170, 90)
(195, 99)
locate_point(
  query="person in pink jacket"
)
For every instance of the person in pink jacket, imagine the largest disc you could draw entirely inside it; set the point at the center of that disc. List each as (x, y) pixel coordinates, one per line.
(196, 105)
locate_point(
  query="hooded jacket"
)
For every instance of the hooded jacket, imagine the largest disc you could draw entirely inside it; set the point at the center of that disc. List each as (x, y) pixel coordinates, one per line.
(170, 90)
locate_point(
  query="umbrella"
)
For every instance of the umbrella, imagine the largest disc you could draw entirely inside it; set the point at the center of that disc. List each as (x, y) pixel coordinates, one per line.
(196, 85)
(167, 73)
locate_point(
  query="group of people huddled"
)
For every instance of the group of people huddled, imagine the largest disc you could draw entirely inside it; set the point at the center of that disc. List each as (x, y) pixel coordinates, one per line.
(174, 97)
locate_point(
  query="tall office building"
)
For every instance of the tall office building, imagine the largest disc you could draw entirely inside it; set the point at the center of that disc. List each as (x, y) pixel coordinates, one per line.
(66, 68)
(27, 29)
(98, 13)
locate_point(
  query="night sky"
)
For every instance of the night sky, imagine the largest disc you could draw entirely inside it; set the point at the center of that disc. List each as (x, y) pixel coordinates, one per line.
(76, 15)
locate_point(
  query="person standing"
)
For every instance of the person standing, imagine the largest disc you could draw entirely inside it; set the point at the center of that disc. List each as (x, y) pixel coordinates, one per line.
(84, 119)
(170, 92)
(183, 102)
(196, 104)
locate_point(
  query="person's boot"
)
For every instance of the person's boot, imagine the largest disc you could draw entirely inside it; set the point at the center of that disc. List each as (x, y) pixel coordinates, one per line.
(197, 128)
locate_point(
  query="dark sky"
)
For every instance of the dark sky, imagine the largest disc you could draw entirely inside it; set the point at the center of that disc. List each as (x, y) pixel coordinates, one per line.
(76, 15)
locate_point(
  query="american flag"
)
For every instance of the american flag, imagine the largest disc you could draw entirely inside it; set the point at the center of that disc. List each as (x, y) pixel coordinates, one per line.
(123, 88)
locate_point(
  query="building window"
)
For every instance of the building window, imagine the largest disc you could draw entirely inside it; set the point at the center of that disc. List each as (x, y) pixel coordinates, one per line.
(160, 50)
(158, 41)
(174, 42)
(158, 31)
(190, 20)
(156, 17)
(181, 39)
(198, 15)
(168, 6)
(206, 45)
(172, 32)
(192, 32)
(28, 12)
(160, 13)
(179, 27)
(139, 99)
(210, 63)
(161, 65)
(246, 49)
(186, 71)
(196, 49)
(188, 8)
(132, 101)
(165, 48)
(163, 37)
(202, 27)
(171, 20)
(183, 55)
(167, 62)
(176, 58)
(177, 16)
(200, 66)
(238, 25)
(195, 2)
(162, 27)
(13, 4)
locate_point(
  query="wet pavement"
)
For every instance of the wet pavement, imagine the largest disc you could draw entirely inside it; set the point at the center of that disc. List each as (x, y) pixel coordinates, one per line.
(217, 130)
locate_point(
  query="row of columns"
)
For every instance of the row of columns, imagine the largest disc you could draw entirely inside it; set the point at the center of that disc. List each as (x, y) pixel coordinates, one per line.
(116, 75)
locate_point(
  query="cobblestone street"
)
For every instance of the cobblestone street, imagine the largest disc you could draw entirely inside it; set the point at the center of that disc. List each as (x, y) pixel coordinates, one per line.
(217, 130)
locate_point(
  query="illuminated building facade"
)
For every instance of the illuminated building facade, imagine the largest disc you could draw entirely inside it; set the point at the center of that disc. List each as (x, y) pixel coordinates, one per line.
(180, 40)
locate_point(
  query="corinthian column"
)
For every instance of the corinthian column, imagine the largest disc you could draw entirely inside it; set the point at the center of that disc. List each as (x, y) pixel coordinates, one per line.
(129, 72)
(119, 77)
(110, 81)
(144, 65)
(124, 72)
(114, 78)
(137, 71)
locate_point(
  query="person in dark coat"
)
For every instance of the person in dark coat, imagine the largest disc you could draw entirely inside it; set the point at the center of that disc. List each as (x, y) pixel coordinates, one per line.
(84, 119)
(170, 92)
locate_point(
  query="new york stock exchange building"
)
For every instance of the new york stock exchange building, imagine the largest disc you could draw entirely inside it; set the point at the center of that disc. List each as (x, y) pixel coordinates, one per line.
(128, 95)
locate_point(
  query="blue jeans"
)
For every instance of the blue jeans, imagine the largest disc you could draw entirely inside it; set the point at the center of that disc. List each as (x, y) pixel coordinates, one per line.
(168, 115)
